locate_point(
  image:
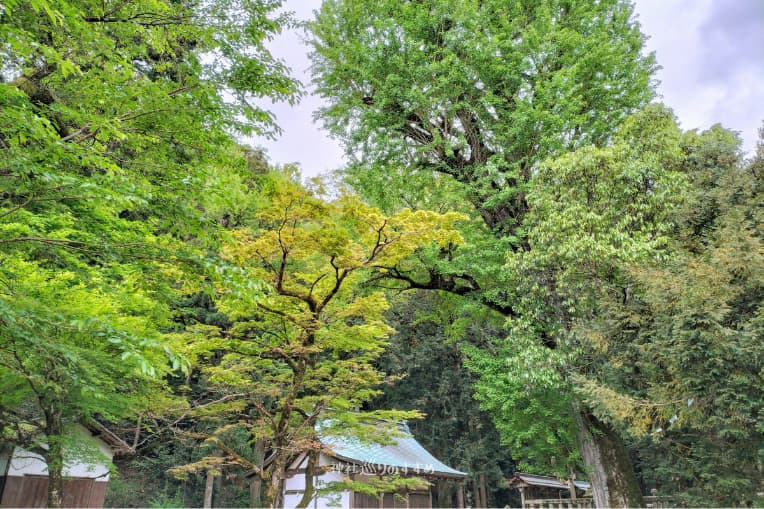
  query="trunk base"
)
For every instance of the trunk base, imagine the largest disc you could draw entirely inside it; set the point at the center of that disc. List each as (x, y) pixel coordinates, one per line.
(613, 480)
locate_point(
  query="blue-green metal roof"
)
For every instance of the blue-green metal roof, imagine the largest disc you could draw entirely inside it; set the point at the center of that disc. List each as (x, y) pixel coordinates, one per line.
(406, 455)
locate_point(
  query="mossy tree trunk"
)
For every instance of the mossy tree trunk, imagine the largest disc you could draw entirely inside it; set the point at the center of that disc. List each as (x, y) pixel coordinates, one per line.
(614, 483)
(54, 456)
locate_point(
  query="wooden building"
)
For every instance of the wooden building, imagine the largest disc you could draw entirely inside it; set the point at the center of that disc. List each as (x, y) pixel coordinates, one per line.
(349, 458)
(24, 476)
(535, 488)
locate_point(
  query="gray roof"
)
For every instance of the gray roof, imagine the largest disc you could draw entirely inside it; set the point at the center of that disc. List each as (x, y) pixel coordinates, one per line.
(403, 456)
(545, 481)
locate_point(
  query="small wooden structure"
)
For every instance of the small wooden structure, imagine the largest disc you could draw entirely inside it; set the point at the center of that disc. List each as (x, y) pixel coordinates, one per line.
(537, 491)
(349, 458)
(24, 477)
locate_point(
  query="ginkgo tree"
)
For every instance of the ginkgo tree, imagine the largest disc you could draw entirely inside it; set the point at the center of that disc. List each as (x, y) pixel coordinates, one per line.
(301, 352)
(478, 93)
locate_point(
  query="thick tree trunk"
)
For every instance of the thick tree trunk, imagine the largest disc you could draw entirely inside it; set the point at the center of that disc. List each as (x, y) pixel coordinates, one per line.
(614, 483)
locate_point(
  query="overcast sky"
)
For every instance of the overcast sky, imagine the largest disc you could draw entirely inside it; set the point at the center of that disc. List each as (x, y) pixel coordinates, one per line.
(711, 51)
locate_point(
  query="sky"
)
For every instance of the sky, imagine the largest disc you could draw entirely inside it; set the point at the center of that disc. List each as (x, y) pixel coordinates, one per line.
(711, 53)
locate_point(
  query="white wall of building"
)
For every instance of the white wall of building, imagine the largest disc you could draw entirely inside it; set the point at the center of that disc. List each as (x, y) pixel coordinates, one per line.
(295, 486)
(23, 462)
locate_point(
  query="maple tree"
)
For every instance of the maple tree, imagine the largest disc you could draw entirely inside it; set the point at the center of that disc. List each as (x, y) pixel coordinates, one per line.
(298, 361)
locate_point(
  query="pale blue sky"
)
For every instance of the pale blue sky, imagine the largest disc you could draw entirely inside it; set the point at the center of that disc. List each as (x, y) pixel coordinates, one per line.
(710, 50)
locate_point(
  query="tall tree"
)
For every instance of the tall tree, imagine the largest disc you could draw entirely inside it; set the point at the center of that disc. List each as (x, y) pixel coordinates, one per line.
(481, 92)
(684, 360)
(111, 117)
(591, 212)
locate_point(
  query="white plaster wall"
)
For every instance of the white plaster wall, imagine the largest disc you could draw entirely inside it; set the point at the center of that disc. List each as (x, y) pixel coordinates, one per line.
(338, 501)
(341, 499)
(25, 462)
(291, 500)
(297, 483)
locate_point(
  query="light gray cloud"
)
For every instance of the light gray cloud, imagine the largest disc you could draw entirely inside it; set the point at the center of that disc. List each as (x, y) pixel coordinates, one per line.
(733, 39)
(713, 66)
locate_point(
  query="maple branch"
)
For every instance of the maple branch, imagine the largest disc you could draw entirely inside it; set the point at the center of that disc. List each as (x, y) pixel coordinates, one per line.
(312, 286)
(307, 298)
(279, 353)
(264, 413)
(339, 278)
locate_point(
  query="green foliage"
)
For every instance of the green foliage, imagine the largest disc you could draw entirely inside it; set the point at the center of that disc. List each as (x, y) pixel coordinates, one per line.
(521, 386)
(589, 212)
(482, 93)
(112, 117)
(300, 350)
(139, 241)
(683, 347)
(477, 91)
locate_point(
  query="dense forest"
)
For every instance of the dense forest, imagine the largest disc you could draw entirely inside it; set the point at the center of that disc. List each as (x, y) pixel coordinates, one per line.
(525, 258)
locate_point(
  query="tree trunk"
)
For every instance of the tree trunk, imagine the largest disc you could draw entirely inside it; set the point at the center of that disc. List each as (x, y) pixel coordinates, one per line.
(208, 488)
(255, 485)
(256, 482)
(55, 480)
(274, 489)
(54, 458)
(614, 483)
(483, 489)
(476, 490)
(310, 487)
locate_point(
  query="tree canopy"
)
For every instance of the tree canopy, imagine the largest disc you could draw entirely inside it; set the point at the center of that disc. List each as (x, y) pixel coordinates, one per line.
(481, 94)
(523, 247)
(479, 91)
(111, 117)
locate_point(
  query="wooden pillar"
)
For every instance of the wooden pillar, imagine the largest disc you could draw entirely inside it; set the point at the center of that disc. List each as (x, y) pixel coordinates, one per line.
(460, 495)
(522, 497)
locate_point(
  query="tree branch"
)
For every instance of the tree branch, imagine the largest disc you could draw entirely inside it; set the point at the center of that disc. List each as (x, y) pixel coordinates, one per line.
(449, 284)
